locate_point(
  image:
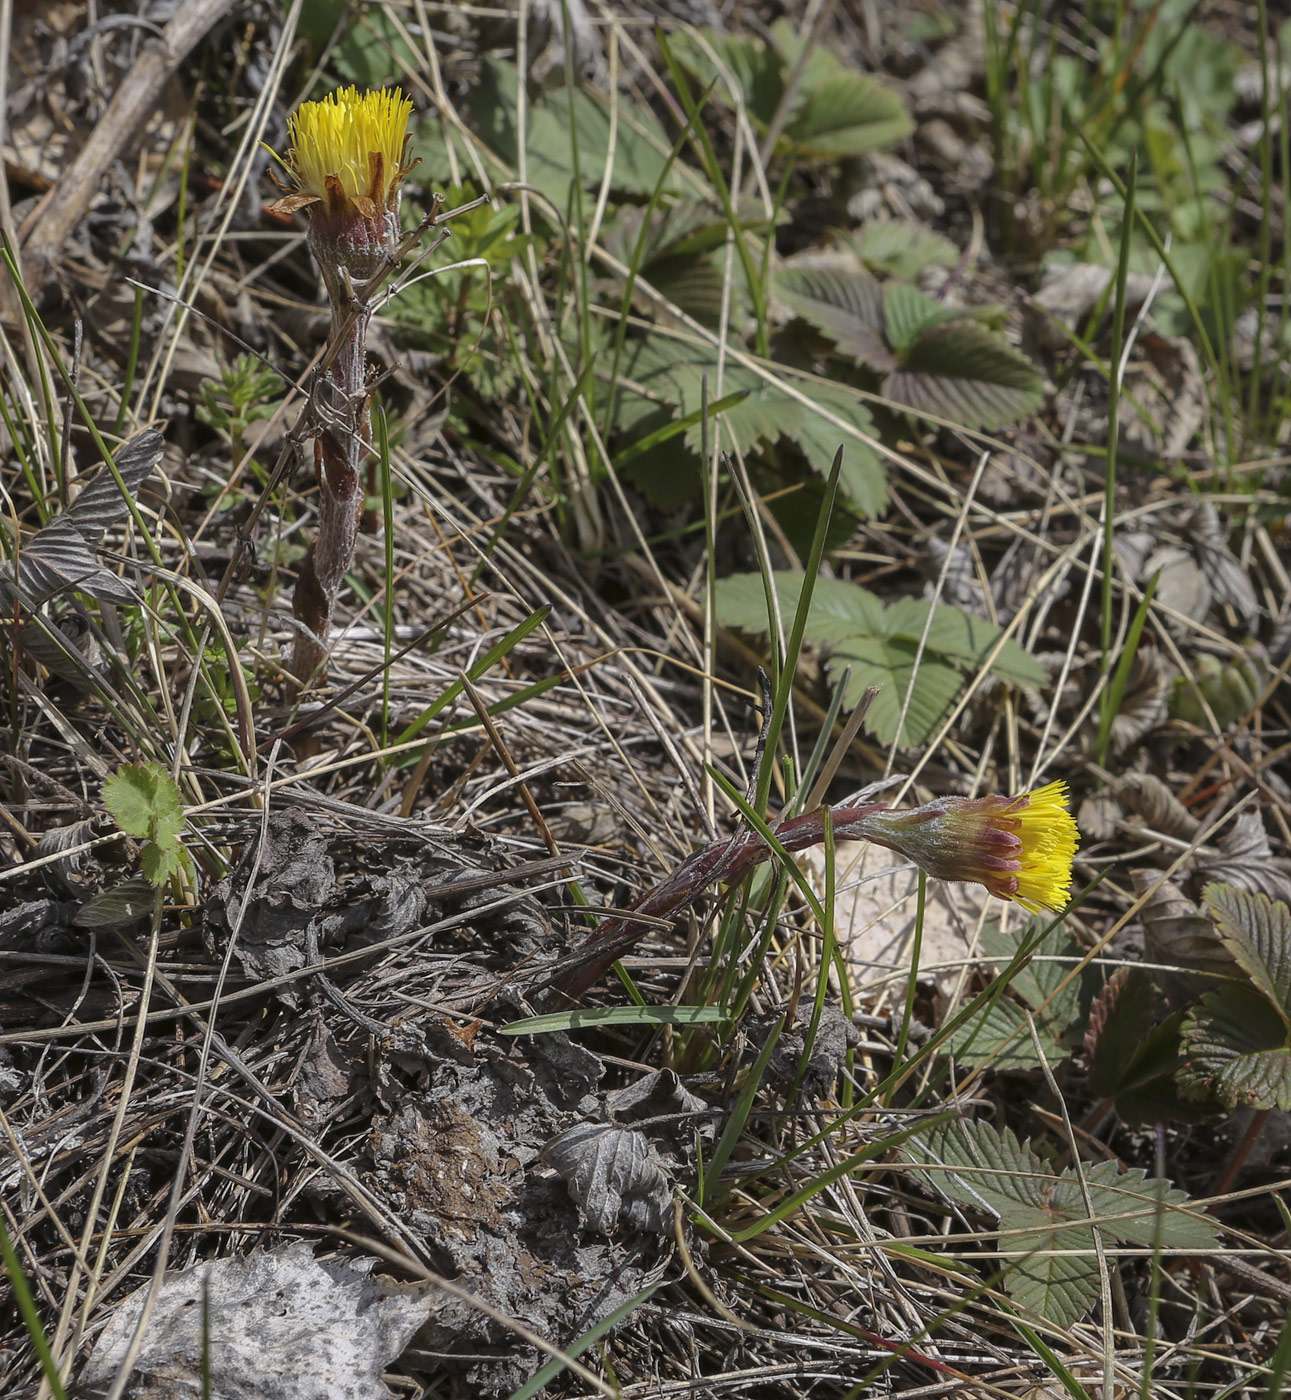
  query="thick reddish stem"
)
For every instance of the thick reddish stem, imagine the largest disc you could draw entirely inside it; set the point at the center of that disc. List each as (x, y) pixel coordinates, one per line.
(723, 860)
(344, 439)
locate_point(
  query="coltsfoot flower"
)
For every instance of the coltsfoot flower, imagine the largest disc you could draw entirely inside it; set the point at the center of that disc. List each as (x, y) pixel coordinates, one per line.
(1020, 848)
(348, 156)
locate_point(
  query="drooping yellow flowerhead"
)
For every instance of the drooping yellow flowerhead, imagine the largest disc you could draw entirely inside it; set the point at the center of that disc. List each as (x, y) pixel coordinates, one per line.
(1020, 848)
(349, 149)
(1049, 839)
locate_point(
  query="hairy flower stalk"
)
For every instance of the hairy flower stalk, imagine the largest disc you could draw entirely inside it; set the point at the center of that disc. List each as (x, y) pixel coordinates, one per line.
(1020, 848)
(348, 157)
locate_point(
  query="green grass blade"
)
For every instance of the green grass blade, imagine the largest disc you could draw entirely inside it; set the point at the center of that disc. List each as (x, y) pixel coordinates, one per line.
(616, 1016)
(481, 666)
(789, 1204)
(912, 982)
(789, 663)
(713, 170)
(532, 470)
(30, 1317)
(676, 427)
(734, 1127)
(548, 1373)
(1113, 411)
(1114, 694)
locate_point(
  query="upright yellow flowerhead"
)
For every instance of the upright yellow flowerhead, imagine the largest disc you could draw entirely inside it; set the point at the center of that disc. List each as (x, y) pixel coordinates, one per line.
(348, 156)
(1020, 848)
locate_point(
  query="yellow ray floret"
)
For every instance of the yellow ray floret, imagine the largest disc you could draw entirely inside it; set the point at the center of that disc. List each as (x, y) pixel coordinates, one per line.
(355, 139)
(1049, 839)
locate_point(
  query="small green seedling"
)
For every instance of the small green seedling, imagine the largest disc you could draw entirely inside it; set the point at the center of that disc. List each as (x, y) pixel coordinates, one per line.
(145, 803)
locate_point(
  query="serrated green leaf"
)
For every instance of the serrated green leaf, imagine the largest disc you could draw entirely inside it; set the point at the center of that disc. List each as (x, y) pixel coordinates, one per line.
(674, 372)
(695, 284)
(846, 114)
(900, 248)
(908, 312)
(1257, 931)
(666, 476)
(639, 151)
(762, 416)
(1119, 1017)
(1058, 1286)
(370, 51)
(798, 514)
(144, 802)
(880, 645)
(1236, 1046)
(757, 69)
(965, 373)
(965, 637)
(838, 610)
(1038, 982)
(993, 1171)
(843, 301)
(1137, 1209)
(891, 666)
(836, 112)
(1133, 1061)
(1002, 1173)
(862, 477)
(998, 1036)
(161, 863)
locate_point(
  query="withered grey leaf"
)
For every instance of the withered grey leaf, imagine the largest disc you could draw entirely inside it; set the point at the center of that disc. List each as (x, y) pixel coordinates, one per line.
(100, 504)
(66, 647)
(325, 1079)
(959, 583)
(1246, 859)
(1227, 579)
(834, 1034)
(402, 896)
(295, 879)
(613, 1175)
(1146, 795)
(282, 1323)
(76, 866)
(1068, 294)
(1132, 548)
(1013, 579)
(661, 1101)
(1182, 940)
(1182, 586)
(1145, 703)
(514, 930)
(60, 555)
(1098, 816)
(1181, 386)
(23, 925)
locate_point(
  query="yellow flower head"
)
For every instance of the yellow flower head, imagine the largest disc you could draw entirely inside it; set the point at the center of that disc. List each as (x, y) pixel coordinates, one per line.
(1020, 848)
(1049, 839)
(349, 149)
